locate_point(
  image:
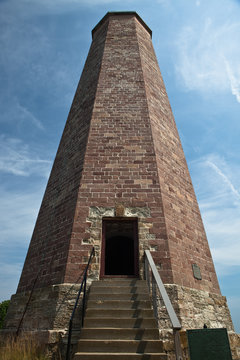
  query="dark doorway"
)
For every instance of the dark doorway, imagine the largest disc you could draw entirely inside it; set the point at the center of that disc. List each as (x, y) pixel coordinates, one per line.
(119, 248)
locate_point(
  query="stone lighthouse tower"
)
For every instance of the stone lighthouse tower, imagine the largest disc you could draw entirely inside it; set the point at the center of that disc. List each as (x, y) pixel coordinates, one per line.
(120, 183)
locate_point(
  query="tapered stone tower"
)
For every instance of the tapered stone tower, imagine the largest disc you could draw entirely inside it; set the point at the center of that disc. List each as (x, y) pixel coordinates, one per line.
(120, 183)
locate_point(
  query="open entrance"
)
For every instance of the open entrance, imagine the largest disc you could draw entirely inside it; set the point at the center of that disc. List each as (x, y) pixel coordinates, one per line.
(119, 248)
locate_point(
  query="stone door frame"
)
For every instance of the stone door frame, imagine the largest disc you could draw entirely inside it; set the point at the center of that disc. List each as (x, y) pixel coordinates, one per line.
(134, 220)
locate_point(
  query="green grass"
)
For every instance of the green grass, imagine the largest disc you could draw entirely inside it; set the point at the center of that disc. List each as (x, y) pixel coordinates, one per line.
(3, 311)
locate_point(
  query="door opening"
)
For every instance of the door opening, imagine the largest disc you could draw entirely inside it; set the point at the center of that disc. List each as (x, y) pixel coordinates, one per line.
(119, 248)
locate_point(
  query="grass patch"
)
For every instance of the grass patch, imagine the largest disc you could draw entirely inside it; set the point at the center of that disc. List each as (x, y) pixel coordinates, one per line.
(3, 311)
(22, 348)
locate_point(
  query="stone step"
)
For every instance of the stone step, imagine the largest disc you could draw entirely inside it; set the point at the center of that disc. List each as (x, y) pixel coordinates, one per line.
(117, 296)
(118, 333)
(119, 356)
(118, 290)
(119, 346)
(119, 282)
(121, 313)
(120, 322)
(119, 304)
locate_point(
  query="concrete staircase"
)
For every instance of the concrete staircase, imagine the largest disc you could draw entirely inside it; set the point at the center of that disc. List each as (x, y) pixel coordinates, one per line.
(119, 323)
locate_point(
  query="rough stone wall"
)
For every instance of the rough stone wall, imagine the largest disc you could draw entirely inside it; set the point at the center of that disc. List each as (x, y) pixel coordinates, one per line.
(94, 231)
(49, 308)
(185, 232)
(195, 308)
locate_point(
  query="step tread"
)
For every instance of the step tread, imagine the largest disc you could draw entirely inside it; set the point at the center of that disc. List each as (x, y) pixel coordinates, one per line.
(120, 322)
(119, 289)
(114, 333)
(123, 353)
(126, 345)
(120, 304)
(119, 283)
(122, 341)
(120, 356)
(130, 313)
(127, 287)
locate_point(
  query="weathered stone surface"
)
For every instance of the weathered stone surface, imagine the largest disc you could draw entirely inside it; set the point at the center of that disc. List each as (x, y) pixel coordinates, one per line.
(234, 340)
(195, 308)
(49, 308)
(94, 232)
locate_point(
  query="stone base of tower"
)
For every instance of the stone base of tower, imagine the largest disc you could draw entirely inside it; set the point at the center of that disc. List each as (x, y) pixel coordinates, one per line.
(195, 308)
(43, 316)
(47, 308)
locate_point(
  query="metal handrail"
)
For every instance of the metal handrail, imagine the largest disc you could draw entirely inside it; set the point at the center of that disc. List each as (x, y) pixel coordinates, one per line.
(82, 286)
(170, 310)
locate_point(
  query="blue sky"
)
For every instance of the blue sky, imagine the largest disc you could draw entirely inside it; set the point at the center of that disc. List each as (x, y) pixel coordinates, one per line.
(43, 47)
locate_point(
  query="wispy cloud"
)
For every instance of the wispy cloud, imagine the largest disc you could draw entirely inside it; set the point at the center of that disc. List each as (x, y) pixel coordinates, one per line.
(67, 5)
(9, 277)
(12, 111)
(31, 57)
(18, 213)
(208, 52)
(26, 115)
(219, 200)
(77, 2)
(16, 158)
(225, 178)
(234, 80)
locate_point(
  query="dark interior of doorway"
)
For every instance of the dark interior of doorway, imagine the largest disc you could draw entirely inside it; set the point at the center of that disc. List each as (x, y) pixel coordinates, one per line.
(120, 244)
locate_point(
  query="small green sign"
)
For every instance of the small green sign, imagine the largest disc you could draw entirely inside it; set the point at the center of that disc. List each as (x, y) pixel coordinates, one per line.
(209, 344)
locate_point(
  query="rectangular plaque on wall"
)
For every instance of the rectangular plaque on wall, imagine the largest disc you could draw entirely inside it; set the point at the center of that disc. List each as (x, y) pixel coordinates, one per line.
(209, 344)
(196, 272)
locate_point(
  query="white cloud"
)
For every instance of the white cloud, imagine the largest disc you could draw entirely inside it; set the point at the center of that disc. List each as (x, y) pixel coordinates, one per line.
(26, 115)
(224, 178)
(68, 5)
(9, 277)
(208, 53)
(18, 213)
(16, 158)
(234, 80)
(32, 59)
(219, 201)
(164, 2)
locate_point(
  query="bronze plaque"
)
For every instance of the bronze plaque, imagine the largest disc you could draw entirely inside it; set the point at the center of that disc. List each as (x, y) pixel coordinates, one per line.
(209, 344)
(196, 272)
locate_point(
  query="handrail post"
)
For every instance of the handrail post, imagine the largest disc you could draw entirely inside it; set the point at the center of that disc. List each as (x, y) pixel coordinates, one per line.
(157, 282)
(84, 298)
(83, 284)
(147, 272)
(154, 297)
(69, 340)
(177, 344)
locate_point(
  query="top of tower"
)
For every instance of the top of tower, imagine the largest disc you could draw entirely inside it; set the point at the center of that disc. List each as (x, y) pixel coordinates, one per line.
(121, 13)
